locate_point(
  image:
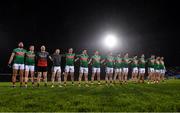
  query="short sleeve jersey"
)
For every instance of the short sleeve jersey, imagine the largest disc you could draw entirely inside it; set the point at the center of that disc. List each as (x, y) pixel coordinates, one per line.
(70, 59)
(96, 61)
(83, 60)
(42, 59)
(30, 58)
(19, 55)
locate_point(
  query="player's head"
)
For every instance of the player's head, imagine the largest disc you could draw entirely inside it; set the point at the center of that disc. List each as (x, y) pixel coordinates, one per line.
(157, 58)
(70, 50)
(96, 52)
(20, 45)
(119, 55)
(43, 48)
(84, 51)
(57, 51)
(152, 56)
(110, 53)
(142, 56)
(31, 48)
(126, 55)
(135, 57)
(162, 58)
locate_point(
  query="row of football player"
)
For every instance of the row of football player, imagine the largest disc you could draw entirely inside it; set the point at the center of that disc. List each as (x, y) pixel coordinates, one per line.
(115, 66)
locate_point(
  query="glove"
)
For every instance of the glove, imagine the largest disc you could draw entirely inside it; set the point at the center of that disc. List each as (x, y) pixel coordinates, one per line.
(9, 65)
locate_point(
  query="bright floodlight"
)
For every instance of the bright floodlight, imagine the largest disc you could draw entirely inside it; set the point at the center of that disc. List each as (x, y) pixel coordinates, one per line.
(110, 41)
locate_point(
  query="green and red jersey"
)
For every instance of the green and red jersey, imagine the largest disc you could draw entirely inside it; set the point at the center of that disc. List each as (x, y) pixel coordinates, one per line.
(96, 61)
(118, 62)
(83, 60)
(19, 55)
(30, 58)
(109, 61)
(70, 59)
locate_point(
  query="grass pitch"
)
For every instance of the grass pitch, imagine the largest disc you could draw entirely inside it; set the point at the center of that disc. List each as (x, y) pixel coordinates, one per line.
(118, 98)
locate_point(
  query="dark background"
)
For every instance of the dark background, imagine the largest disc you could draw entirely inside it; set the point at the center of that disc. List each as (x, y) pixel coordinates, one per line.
(143, 26)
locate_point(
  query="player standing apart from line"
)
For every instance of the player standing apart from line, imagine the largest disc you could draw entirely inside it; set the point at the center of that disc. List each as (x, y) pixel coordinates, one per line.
(56, 69)
(83, 67)
(162, 68)
(125, 63)
(142, 63)
(151, 76)
(17, 57)
(134, 66)
(29, 65)
(109, 60)
(157, 70)
(69, 68)
(118, 68)
(96, 62)
(42, 63)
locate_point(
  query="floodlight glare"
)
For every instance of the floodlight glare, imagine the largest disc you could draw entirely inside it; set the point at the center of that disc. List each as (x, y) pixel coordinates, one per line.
(110, 41)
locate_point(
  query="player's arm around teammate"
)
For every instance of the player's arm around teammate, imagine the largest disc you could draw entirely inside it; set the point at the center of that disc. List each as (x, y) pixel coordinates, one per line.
(142, 63)
(118, 68)
(96, 61)
(126, 61)
(56, 69)
(83, 67)
(42, 65)
(134, 66)
(69, 68)
(30, 65)
(109, 68)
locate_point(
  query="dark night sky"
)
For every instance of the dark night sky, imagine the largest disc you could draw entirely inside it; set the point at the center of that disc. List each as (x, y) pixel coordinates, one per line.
(145, 26)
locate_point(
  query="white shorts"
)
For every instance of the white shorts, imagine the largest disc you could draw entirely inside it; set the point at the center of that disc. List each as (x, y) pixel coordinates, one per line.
(157, 71)
(96, 70)
(162, 71)
(150, 70)
(29, 68)
(69, 69)
(142, 70)
(125, 70)
(135, 70)
(83, 70)
(18, 66)
(56, 69)
(109, 70)
(119, 70)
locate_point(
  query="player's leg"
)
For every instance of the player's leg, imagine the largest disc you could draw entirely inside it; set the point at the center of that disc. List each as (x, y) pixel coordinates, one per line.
(98, 75)
(111, 75)
(94, 71)
(45, 78)
(59, 76)
(72, 74)
(86, 76)
(80, 75)
(143, 74)
(120, 76)
(126, 75)
(54, 71)
(66, 74)
(163, 75)
(107, 75)
(39, 76)
(149, 75)
(26, 74)
(32, 74)
(133, 74)
(15, 70)
(21, 73)
(115, 74)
